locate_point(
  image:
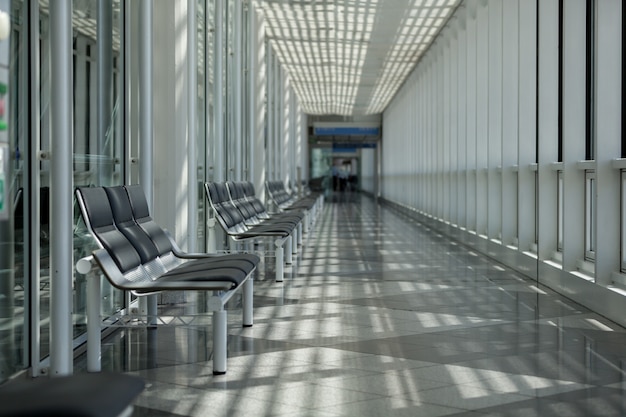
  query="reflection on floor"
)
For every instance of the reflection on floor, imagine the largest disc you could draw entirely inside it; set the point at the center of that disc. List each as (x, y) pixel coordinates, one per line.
(382, 316)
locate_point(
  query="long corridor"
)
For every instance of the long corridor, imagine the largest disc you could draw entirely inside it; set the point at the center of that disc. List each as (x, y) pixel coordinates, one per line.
(383, 316)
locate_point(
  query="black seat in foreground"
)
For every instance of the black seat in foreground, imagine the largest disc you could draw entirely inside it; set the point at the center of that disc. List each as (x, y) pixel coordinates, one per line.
(138, 256)
(85, 395)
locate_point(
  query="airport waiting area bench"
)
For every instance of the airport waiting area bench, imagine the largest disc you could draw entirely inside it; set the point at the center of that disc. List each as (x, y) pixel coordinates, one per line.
(240, 224)
(135, 254)
(254, 212)
(310, 204)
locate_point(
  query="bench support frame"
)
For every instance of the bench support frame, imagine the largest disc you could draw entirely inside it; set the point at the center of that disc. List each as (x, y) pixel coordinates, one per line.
(215, 303)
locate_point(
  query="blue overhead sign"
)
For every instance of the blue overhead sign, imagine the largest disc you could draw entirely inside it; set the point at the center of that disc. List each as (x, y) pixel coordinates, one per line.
(346, 131)
(353, 146)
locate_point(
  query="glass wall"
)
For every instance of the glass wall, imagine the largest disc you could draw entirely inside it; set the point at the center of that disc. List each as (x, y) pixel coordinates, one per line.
(14, 303)
(98, 118)
(106, 129)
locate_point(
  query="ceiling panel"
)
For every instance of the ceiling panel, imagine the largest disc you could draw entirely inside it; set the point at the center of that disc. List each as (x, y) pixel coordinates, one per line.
(349, 57)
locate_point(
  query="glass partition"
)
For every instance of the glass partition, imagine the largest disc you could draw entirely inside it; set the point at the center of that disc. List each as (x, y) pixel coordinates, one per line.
(98, 152)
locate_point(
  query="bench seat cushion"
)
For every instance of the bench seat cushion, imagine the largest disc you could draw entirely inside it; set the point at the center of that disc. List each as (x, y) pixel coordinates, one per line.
(235, 261)
(82, 395)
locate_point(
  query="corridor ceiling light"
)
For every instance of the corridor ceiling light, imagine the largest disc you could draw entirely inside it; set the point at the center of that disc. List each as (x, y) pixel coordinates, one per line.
(349, 57)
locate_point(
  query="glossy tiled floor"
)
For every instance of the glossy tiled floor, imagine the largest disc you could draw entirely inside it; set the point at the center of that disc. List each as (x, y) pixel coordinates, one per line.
(382, 316)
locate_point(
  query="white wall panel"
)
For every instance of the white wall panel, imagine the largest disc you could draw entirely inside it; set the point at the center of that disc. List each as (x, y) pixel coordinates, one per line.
(482, 117)
(527, 125)
(548, 125)
(510, 118)
(608, 131)
(478, 123)
(574, 100)
(494, 121)
(470, 126)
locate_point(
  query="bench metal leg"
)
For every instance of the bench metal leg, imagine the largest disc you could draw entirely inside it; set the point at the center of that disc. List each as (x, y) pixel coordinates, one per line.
(220, 335)
(279, 261)
(294, 241)
(247, 302)
(93, 323)
(289, 250)
(306, 222)
(300, 231)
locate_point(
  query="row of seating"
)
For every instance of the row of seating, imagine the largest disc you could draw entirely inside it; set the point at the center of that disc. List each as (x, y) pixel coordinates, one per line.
(137, 255)
(244, 217)
(310, 203)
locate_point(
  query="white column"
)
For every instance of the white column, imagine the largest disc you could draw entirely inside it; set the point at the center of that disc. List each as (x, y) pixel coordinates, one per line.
(146, 149)
(471, 116)
(104, 96)
(608, 131)
(192, 140)
(446, 123)
(270, 116)
(81, 100)
(218, 93)
(61, 184)
(454, 122)
(527, 126)
(258, 107)
(237, 93)
(494, 129)
(548, 125)
(438, 120)
(482, 117)
(574, 105)
(32, 268)
(145, 99)
(462, 119)
(510, 110)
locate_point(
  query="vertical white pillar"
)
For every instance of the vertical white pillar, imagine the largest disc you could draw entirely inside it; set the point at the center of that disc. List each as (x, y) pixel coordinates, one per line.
(146, 178)
(145, 100)
(548, 125)
(238, 97)
(471, 116)
(104, 94)
(494, 121)
(445, 124)
(510, 109)
(270, 115)
(192, 140)
(574, 107)
(482, 117)
(454, 122)
(62, 184)
(32, 268)
(608, 131)
(258, 106)
(462, 119)
(527, 125)
(218, 93)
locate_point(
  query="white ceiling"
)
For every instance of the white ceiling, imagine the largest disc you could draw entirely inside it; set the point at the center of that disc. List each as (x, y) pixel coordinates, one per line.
(349, 57)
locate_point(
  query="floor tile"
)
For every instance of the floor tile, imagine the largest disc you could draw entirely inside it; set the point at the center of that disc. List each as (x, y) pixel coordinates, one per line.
(382, 315)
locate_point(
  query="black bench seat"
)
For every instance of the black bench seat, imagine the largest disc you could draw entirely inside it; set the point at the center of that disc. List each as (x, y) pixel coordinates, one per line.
(240, 225)
(137, 255)
(85, 395)
(244, 190)
(310, 205)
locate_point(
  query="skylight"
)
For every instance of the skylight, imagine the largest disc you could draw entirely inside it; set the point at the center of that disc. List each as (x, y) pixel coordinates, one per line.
(349, 57)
